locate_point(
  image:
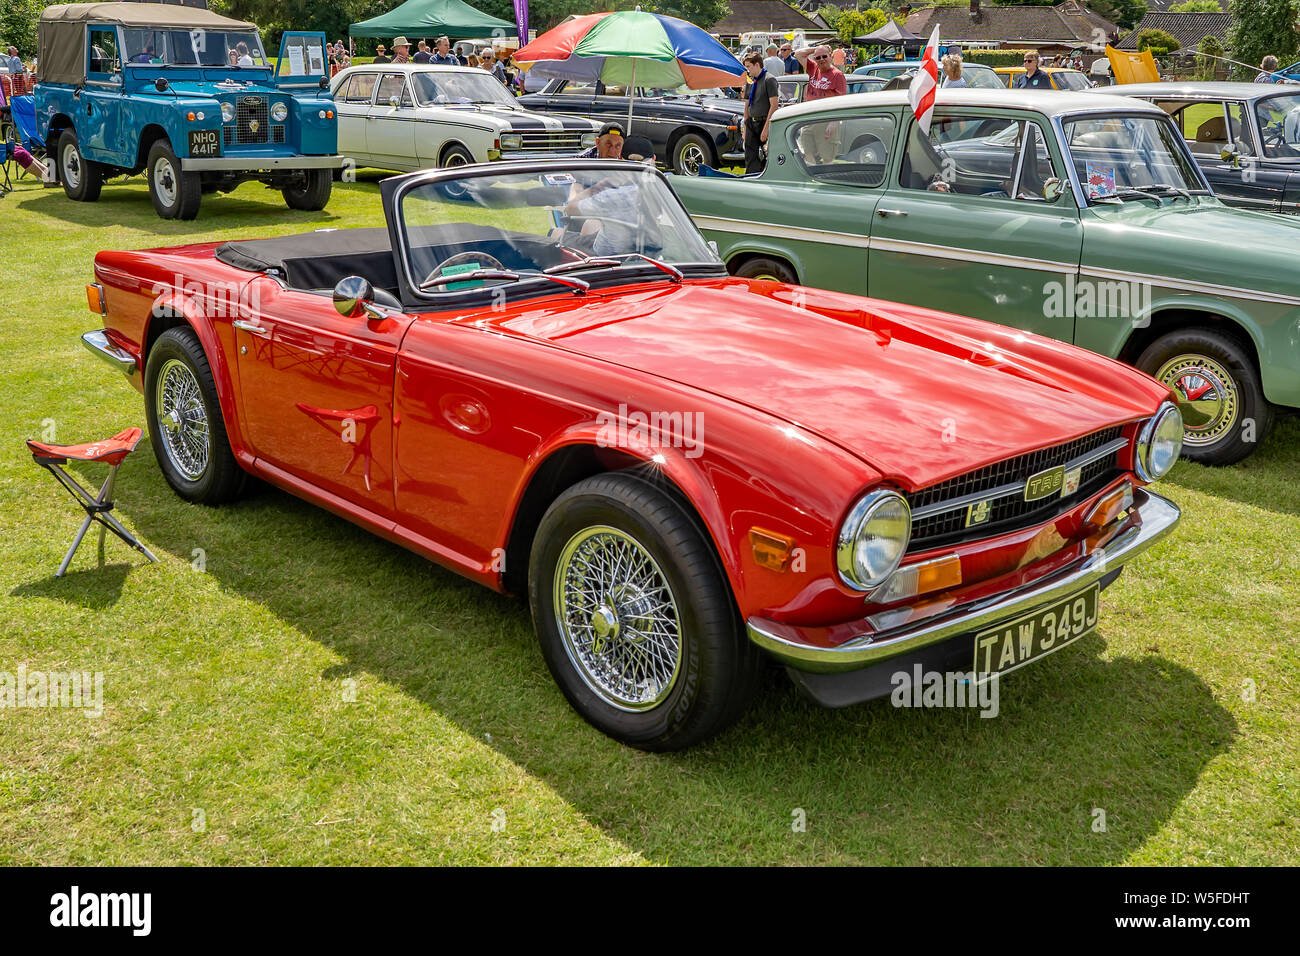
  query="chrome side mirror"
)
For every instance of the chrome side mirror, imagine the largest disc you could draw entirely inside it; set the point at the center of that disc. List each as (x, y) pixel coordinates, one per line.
(1053, 188)
(354, 295)
(1231, 155)
(394, 102)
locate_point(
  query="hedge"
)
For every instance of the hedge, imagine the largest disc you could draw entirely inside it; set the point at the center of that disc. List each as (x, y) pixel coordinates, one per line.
(996, 57)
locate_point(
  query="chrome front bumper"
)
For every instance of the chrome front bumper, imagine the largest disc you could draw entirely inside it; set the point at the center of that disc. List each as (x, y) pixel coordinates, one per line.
(254, 162)
(101, 345)
(1158, 517)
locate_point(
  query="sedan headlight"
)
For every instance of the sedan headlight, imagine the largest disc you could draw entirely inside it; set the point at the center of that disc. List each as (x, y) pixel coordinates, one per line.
(280, 112)
(512, 141)
(227, 112)
(873, 539)
(588, 140)
(1159, 443)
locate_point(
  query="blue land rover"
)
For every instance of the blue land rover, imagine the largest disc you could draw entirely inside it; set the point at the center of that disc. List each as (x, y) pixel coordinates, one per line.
(186, 96)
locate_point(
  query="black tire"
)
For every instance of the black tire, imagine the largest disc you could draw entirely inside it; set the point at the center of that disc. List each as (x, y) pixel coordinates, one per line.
(764, 267)
(716, 667)
(456, 155)
(220, 479)
(8, 132)
(175, 194)
(82, 178)
(1225, 413)
(313, 194)
(689, 152)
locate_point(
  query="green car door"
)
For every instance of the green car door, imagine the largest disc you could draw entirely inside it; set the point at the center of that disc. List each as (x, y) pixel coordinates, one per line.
(979, 221)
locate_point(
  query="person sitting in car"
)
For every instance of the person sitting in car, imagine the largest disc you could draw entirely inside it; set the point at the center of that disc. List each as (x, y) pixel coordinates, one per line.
(609, 143)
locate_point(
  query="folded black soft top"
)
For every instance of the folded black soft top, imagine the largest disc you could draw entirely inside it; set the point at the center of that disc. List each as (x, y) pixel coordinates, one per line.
(270, 255)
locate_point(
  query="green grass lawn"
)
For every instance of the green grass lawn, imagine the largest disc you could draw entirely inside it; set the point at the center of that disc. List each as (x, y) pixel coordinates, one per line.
(228, 691)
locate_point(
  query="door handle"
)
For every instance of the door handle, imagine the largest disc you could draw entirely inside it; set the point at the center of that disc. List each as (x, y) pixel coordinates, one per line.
(882, 213)
(249, 327)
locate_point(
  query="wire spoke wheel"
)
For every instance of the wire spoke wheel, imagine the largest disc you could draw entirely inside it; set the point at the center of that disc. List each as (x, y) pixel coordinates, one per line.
(618, 618)
(184, 419)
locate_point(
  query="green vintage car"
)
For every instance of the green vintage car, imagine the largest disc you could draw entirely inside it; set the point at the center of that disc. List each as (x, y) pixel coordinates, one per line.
(1074, 215)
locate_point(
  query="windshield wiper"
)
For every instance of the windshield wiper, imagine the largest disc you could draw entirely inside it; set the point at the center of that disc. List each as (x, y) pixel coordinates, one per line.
(1132, 192)
(1179, 190)
(587, 263)
(672, 271)
(577, 286)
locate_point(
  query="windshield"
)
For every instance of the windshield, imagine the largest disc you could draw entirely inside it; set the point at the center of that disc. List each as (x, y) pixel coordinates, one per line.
(979, 77)
(176, 47)
(578, 224)
(1279, 125)
(1070, 80)
(468, 88)
(1112, 154)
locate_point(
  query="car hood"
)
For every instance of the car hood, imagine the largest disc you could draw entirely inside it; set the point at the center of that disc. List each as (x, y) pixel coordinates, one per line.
(913, 393)
(215, 91)
(1206, 243)
(504, 119)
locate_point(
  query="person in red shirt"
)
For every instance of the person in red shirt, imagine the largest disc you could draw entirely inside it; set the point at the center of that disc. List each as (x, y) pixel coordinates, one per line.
(823, 78)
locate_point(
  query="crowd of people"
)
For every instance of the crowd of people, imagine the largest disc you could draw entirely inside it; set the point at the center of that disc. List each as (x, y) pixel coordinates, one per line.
(440, 53)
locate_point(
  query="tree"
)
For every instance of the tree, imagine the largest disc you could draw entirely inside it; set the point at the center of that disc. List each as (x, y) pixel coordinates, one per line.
(1196, 6)
(1157, 39)
(1261, 28)
(1122, 13)
(855, 23)
(18, 25)
(1206, 65)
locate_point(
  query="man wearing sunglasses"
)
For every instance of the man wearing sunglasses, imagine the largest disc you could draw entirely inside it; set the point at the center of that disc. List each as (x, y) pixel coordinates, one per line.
(823, 78)
(1033, 78)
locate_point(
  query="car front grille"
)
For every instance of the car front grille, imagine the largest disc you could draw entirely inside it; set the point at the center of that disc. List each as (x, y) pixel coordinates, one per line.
(277, 134)
(942, 513)
(556, 141)
(251, 125)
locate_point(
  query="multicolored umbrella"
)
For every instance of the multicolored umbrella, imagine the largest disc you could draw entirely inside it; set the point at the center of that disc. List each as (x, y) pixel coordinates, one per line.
(628, 47)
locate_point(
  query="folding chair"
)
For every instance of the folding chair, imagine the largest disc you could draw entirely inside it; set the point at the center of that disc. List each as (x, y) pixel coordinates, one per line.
(113, 452)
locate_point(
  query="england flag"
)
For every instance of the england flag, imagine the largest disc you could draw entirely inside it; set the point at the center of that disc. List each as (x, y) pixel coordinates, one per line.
(921, 93)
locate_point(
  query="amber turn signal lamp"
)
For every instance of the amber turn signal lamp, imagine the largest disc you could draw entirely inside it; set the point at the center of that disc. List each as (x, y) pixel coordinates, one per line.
(190, 117)
(1110, 507)
(95, 298)
(329, 114)
(937, 574)
(771, 550)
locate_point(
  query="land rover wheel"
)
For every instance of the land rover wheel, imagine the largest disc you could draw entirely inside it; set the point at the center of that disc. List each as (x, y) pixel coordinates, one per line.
(690, 153)
(175, 194)
(763, 267)
(313, 193)
(82, 178)
(1225, 413)
(635, 617)
(186, 429)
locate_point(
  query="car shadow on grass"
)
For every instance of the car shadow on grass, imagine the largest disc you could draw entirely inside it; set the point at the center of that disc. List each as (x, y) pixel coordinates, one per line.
(1264, 480)
(1087, 759)
(131, 208)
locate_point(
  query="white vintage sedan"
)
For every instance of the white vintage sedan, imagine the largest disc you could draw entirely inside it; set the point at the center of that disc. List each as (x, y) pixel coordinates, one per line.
(416, 116)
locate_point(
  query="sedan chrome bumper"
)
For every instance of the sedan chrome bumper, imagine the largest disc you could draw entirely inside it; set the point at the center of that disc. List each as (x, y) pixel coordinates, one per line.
(255, 162)
(1158, 517)
(101, 345)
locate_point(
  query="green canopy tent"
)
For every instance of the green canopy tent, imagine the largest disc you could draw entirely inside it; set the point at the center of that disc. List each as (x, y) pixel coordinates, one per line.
(433, 18)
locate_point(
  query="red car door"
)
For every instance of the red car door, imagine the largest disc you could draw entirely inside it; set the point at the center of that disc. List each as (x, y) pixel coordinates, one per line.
(316, 390)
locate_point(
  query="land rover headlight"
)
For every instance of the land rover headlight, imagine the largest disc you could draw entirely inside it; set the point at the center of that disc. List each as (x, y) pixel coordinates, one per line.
(1159, 443)
(588, 140)
(512, 141)
(280, 112)
(227, 112)
(873, 539)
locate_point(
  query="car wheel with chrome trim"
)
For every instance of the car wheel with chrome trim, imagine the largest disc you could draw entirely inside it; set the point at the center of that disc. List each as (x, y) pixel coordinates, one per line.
(635, 618)
(186, 429)
(1225, 414)
(765, 267)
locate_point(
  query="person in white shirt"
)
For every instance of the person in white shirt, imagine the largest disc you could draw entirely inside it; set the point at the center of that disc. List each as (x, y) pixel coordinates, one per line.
(952, 72)
(773, 63)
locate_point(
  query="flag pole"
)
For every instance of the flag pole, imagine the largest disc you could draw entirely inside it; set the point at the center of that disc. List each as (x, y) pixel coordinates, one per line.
(631, 94)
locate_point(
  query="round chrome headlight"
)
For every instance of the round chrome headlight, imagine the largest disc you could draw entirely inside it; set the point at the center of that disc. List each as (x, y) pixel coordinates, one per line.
(873, 539)
(1159, 443)
(280, 112)
(227, 112)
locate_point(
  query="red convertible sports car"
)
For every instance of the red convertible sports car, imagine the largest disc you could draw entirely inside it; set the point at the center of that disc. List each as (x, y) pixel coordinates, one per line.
(542, 377)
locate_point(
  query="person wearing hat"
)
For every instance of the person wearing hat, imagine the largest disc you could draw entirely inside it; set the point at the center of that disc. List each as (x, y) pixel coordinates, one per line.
(401, 50)
(609, 143)
(381, 55)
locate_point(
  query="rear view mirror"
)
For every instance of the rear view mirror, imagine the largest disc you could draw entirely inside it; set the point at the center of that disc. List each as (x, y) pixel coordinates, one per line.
(1053, 188)
(1231, 155)
(352, 296)
(394, 102)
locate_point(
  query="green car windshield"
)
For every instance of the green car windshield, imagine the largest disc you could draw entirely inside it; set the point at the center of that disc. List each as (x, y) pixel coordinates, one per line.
(534, 229)
(175, 47)
(1129, 157)
(1279, 125)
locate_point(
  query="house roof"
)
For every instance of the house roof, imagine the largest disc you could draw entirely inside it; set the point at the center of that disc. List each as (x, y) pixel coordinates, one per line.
(1070, 22)
(1189, 29)
(750, 16)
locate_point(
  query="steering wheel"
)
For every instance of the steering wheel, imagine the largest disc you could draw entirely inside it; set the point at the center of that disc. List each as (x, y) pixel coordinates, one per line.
(480, 259)
(1273, 135)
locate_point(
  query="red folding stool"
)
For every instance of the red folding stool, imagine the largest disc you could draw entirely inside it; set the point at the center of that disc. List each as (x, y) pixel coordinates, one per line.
(98, 508)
